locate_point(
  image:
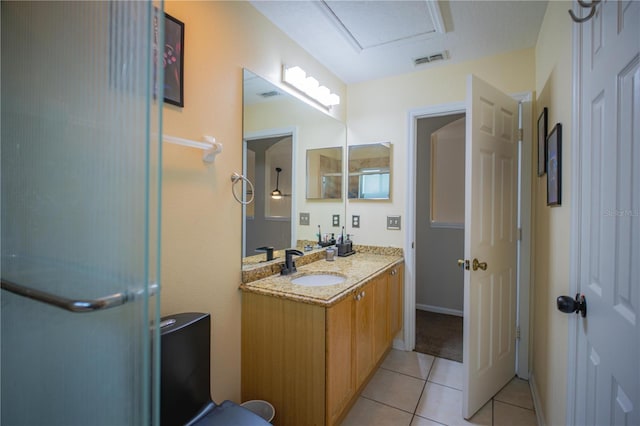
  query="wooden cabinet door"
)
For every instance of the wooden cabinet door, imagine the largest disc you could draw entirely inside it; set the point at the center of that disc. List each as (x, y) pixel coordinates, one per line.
(283, 357)
(363, 333)
(396, 285)
(380, 316)
(340, 358)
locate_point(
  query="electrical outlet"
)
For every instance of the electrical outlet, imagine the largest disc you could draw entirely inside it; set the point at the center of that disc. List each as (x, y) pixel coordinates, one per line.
(355, 221)
(336, 220)
(305, 218)
(393, 222)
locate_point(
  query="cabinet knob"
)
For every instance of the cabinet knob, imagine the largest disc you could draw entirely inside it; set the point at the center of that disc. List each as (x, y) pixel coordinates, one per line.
(393, 272)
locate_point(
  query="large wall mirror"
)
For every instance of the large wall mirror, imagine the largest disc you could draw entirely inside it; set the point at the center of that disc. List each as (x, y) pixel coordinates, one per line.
(370, 171)
(279, 130)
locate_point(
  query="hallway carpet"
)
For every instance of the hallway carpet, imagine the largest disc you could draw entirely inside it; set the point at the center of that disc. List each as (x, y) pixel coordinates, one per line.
(439, 335)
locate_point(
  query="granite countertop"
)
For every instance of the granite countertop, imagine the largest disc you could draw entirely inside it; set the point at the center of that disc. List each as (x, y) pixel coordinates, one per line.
(357, 269)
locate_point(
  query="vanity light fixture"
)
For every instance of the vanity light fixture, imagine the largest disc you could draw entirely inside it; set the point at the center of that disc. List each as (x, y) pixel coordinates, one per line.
(297, 78)
(276, 194)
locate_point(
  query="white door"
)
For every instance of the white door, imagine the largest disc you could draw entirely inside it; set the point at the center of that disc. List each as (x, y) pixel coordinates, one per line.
(490, 238)
(606, 237)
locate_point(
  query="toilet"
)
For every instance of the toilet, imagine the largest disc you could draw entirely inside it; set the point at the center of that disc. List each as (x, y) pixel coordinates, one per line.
(185, 394)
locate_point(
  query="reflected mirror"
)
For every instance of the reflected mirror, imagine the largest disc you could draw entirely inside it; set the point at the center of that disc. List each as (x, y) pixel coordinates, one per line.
(370, 171)
(324, 173)
(278, 131)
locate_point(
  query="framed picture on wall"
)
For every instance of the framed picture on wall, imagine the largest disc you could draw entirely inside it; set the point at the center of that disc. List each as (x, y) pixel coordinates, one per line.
(542, 142)
(173, 61)
(554, 166)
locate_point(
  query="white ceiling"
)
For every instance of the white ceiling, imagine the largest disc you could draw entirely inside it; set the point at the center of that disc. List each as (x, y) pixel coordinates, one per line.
(363, 40)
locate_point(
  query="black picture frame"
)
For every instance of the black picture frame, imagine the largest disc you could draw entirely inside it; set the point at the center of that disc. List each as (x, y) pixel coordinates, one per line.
(554, 166)
(173, 61)
(542, 142)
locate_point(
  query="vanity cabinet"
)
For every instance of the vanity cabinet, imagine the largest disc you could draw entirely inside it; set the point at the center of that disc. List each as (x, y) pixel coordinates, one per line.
(341, 353)
(311, 361)
(381, 302)
(364, 330)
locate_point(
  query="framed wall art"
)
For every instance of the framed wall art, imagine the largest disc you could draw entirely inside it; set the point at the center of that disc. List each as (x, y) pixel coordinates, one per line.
(173, 61)
(554, 166)
(542, 142)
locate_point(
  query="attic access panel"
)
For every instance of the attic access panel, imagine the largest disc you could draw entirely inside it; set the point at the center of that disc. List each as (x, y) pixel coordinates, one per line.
(369, 24)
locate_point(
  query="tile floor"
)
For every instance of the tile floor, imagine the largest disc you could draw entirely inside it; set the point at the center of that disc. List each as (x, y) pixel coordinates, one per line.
(411, 388)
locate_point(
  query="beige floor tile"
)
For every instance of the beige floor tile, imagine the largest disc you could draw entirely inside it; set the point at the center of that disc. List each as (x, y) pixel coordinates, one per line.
(484, 416)
(517, 392)
(446, 372)
(440, 403)
(394, 389)
(399, 386)
(510, 415)
(408, 362)
(444, 405)
(421, 421)
(366, 412)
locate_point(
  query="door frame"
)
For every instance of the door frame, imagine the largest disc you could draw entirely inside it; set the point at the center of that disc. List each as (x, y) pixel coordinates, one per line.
(576, 200)
(264, 134)
(524, 223)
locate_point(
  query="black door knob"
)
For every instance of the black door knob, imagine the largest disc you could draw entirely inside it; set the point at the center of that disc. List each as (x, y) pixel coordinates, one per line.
(568, 305)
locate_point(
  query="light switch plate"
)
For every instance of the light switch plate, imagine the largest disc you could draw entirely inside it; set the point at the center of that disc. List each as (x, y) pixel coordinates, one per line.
(393, 223)
(305, 218)
(336, 220)
(355, 221)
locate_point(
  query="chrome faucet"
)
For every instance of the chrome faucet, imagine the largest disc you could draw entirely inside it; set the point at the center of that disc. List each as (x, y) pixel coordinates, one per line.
(289, 266)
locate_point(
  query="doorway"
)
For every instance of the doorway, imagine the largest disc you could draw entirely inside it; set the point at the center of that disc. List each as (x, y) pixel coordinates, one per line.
(267, 221)
(439, 235)
(524, 223)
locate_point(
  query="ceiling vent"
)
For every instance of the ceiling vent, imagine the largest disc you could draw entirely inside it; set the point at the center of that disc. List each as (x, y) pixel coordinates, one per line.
(270, 94)
(431, 58)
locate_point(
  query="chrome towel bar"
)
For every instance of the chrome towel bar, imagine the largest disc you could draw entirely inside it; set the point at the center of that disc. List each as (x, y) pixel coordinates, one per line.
(71, 305)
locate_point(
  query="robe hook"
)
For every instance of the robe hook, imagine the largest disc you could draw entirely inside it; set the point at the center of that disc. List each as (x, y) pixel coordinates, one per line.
(587, 5)
(584, 4)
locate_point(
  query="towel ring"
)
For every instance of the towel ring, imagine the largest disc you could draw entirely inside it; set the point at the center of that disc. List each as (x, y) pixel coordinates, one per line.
(235, 178)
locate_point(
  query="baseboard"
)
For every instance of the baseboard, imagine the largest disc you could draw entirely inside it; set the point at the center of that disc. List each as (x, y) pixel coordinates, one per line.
(536, 399)
(439, 310)
(399, 344)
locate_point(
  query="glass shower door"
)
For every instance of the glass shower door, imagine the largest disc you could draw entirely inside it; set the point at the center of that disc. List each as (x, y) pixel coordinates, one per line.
(80, 178)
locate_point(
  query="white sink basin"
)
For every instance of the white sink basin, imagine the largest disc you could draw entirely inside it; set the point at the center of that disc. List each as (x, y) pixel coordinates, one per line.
(317, 280)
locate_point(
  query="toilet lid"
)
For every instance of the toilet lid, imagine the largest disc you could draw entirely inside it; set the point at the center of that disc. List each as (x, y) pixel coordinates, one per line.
(228, 413)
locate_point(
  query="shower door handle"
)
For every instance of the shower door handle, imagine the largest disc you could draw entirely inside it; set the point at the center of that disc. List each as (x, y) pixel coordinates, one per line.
(80, 306)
